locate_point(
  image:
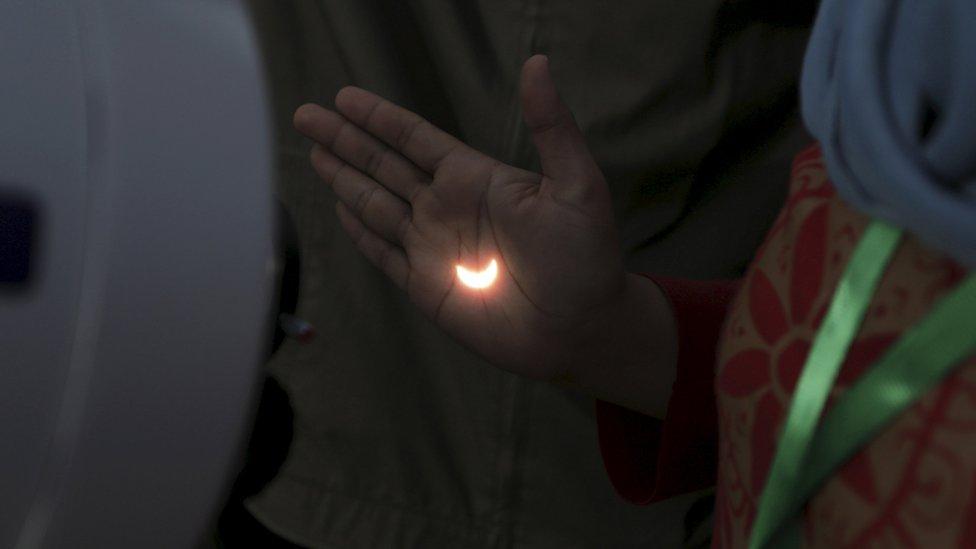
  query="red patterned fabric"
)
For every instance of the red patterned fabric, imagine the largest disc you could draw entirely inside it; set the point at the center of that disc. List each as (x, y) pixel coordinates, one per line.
(913, 486)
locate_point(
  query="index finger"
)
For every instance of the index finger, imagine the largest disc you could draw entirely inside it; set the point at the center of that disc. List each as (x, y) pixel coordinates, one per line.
(411, 135)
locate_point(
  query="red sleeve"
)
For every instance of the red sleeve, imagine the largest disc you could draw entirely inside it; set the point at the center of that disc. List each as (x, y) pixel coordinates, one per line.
(647, 459)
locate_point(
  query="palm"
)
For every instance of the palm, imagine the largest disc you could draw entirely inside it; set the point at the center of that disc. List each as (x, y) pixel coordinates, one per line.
(419, 203)
(553, 264)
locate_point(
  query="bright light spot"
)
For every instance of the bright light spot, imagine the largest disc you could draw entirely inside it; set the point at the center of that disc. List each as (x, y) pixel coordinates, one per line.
(478, 279)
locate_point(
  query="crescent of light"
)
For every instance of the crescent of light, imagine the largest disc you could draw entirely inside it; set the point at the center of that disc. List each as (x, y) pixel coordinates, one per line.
(478, 279)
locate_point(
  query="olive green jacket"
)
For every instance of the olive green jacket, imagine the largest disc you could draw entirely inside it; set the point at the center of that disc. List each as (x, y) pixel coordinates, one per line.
(402, 438)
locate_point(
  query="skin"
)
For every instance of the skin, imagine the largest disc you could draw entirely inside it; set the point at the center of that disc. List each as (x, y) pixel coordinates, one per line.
(417, 202)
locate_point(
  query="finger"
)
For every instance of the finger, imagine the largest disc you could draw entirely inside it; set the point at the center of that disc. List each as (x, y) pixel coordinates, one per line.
(408, 133)
(385, 256)
(380, 210)
(562, 148)
(362, 150)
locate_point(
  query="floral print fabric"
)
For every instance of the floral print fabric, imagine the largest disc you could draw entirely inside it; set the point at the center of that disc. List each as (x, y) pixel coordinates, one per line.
(912, 486)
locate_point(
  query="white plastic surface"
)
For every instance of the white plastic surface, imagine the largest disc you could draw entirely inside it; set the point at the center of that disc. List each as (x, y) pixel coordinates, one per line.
(127, 370)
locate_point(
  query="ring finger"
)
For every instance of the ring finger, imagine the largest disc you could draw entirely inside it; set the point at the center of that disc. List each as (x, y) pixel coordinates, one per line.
(362, 151)
(378, 208)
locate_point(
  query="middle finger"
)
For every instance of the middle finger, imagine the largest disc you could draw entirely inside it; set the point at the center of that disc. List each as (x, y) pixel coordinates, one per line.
(380, 210)
(363, 151)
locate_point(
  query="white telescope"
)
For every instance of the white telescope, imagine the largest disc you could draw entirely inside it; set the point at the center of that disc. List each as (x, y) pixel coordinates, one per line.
(136, 266)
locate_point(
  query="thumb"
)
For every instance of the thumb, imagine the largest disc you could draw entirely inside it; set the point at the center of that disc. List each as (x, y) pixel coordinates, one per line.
(562, 149)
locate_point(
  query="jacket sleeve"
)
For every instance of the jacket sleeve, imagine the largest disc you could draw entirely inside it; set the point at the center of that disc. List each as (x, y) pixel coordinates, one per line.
(648, 459)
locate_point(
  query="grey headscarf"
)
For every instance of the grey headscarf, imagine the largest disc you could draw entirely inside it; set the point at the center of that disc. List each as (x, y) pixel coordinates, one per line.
(889, 89)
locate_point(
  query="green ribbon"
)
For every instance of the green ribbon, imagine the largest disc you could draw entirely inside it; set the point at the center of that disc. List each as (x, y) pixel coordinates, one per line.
(911, 367)
(914, 364)
(837, 331)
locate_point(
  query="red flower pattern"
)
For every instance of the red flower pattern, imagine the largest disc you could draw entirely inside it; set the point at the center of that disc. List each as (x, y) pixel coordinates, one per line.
(766, 340)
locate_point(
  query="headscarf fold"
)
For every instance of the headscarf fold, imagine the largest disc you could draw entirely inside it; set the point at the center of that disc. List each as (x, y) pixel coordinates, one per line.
(889, 89)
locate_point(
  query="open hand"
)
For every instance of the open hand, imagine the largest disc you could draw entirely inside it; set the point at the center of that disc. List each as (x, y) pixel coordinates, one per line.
(418, 203)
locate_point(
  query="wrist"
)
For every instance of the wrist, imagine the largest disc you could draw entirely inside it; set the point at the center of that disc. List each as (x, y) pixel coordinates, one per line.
(629, 356)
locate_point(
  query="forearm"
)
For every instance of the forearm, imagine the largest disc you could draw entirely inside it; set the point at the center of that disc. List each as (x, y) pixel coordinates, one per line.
(630, 355)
